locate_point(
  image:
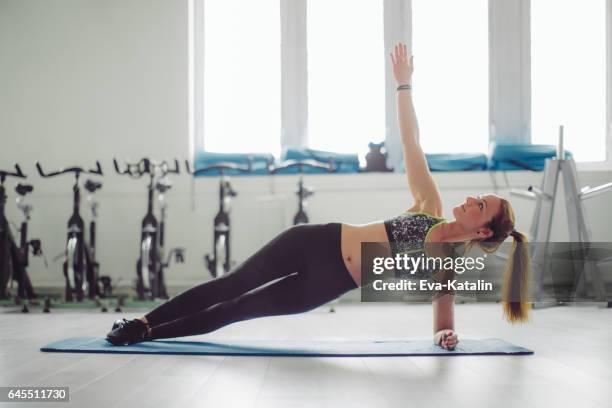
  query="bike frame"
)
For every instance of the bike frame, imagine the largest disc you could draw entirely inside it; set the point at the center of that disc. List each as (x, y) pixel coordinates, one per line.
(77, 267)
(22, 258)
(216, 265)
(303, 193)
(161, 187)
(150, 267)
(76, 252)
(14, 259)
(6, 266)
(149, 245)
(93, 266)
(221, 236)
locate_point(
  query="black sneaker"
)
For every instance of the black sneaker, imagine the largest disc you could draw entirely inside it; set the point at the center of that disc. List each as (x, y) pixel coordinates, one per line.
(126, 332)
(121, 322)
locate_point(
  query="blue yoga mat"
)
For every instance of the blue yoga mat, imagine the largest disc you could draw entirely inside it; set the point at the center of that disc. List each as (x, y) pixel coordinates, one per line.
(301, 348)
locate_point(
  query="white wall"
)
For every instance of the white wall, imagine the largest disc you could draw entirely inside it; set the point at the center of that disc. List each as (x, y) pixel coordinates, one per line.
(83, 80)
(86, 79)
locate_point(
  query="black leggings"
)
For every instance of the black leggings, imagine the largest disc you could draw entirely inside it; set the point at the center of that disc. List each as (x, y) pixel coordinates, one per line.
(305, 262)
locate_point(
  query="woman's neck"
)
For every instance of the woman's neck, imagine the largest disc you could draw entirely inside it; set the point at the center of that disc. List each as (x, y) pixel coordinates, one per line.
(450, 232)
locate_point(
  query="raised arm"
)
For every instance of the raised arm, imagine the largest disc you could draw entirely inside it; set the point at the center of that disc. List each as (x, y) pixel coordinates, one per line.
(421, 183)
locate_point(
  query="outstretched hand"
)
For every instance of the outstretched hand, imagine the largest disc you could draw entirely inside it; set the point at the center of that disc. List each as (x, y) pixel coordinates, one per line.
(402, 65)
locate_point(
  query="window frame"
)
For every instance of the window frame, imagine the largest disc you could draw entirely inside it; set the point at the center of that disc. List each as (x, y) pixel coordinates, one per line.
(509, 89)
(526, 32)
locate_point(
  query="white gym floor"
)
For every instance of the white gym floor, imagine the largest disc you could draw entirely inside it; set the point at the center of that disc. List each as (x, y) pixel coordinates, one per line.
(572, 365)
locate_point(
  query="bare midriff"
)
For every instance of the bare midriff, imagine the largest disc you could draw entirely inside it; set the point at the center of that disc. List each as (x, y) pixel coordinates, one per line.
(352, 237)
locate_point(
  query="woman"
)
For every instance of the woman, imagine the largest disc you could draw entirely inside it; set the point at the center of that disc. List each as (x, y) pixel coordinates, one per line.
(309, 265)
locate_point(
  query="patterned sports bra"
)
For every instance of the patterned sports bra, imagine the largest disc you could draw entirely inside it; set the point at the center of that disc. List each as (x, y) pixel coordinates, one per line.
(407, 233)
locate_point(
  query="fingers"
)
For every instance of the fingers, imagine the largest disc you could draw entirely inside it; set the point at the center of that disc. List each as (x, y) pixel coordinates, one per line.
(449, 345)
(450, 340)
(400, 54)
(396, 55)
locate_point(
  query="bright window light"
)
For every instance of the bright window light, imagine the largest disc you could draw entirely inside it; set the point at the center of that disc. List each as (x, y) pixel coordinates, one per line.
(568, 75)
(242, 76)
(451, 76)
(346, 74)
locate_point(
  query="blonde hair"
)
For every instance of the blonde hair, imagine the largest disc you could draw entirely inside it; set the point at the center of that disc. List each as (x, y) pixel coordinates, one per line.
(515, 289)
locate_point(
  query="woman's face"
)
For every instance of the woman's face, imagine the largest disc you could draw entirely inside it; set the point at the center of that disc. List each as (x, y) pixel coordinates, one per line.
(475, 212)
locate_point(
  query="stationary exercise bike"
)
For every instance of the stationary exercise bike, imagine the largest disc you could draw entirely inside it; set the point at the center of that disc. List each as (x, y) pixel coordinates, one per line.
(151, 265)
(303, 192)
(588, 282)
(79, 267)
(13, 258)
(219, 262)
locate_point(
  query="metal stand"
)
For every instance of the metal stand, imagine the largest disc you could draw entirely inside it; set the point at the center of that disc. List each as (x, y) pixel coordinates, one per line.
(303, 193)
(545, 198)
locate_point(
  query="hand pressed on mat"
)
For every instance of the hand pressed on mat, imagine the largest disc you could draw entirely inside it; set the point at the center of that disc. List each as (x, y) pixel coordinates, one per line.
(446, 339)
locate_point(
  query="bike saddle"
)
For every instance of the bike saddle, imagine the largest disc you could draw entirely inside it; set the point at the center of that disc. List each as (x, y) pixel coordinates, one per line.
(23, 189)
(36, 247)
(92, 186)
(230, 191)
(163, 185)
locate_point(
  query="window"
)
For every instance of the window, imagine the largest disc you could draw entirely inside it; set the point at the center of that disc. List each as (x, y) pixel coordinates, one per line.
(346, 74)
(242, 76)
(568, 75)
(451, 77)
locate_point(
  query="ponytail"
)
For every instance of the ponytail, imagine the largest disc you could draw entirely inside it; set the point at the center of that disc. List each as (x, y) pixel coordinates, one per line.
(516, 281)
(515, 289)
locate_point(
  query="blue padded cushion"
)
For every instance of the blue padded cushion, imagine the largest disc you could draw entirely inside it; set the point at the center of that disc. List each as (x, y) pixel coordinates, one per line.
(344, 162)
(456, 161)
(521, 156)
(453, 162)
(293, 348)
(259, 162)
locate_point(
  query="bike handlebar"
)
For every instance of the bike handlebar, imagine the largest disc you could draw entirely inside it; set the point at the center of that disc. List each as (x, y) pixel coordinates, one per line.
(221, 166)
(18, 173)
(330, 167)
(75, 170)
(146, 166)
(300, 164)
